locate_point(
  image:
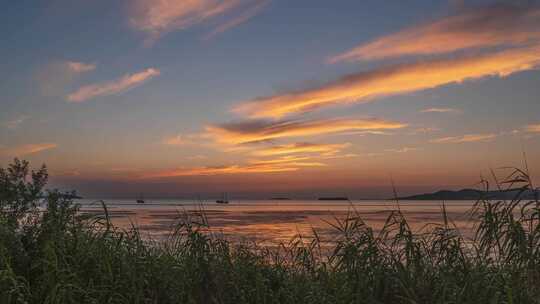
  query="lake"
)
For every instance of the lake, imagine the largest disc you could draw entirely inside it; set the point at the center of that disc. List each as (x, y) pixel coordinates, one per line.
(275, 221)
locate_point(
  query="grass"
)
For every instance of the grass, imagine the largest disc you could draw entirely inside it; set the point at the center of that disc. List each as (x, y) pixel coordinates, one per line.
(61, 256)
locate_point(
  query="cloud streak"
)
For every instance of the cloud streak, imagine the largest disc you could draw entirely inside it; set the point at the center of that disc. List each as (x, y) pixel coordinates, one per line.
(283, 164)
(54, 77)
(297, 161)
(399, 79)
(238, 20)
(80, 67)
(262, 131)
(27, 149)
(298, 148)
(402, 150)
(220, 170)
(178, 140)
(441, 110)
(464, 138)
(533, 128)
(483, 27)
(162, 16)
(117, 86)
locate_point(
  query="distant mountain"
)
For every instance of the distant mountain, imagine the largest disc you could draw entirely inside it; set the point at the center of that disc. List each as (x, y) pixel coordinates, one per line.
(469, 194)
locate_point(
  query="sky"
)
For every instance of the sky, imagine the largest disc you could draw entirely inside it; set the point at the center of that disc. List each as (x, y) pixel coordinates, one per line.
(260, 98)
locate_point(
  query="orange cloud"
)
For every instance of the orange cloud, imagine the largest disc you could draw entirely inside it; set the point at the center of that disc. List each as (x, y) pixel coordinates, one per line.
(365, 86)
(242, 18)
(281, 164)
(441, 110)
(424, 130)
(260, 167)
(464, 138)
(193, 139)
(296, 161)
(80, 67)
(325, 149)
(259, 131)
(219, 170)
(497, 25)
(177, 140)
(402, 150)
(27, 149)
(161, 16)
(533, 128)
(122, 84)
(280, 160)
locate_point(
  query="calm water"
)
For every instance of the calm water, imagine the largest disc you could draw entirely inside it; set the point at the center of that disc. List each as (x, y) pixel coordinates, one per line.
(273, 221)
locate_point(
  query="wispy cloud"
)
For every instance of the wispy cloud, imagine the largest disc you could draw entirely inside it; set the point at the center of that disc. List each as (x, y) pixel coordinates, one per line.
(533, 128)
(80, 67)
(402, 150)
(54, 77)
(481, 27)
(219, 170)
(162, 16)
(365, 86)
(284, 164)
(340, 156)
(260, 131)
(177, 140)
(15, 123)
(296, 148)
(120, 85)
(441, 110)
(464, 138)
(387, 152)
(297, 161)
(249, 13)
(424, 130)
(193, 139)
(198, 157)
(27, 149)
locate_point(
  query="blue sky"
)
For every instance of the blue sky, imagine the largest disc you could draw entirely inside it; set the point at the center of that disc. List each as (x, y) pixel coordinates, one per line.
(164, 89)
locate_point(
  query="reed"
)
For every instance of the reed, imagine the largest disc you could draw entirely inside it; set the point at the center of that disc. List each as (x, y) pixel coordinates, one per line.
(58, 255)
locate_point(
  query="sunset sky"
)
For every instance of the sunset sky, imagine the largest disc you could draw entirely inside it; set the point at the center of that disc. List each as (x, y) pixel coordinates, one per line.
(179, 98)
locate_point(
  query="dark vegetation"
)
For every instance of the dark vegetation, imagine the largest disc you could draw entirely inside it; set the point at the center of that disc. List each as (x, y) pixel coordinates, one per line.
(54, 254)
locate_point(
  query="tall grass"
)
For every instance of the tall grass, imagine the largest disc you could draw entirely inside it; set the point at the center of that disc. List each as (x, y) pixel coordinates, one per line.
(59, 255)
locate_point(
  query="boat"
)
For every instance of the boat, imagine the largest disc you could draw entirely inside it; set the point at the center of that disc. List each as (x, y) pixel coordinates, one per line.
(140, 200)
(223, 200)
(337, 198)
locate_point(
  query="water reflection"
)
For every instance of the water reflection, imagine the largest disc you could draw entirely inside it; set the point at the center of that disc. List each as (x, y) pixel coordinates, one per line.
(271, 222)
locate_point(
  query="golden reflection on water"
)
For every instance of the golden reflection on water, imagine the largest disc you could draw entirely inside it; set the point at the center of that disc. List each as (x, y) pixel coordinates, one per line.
(271, 222)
